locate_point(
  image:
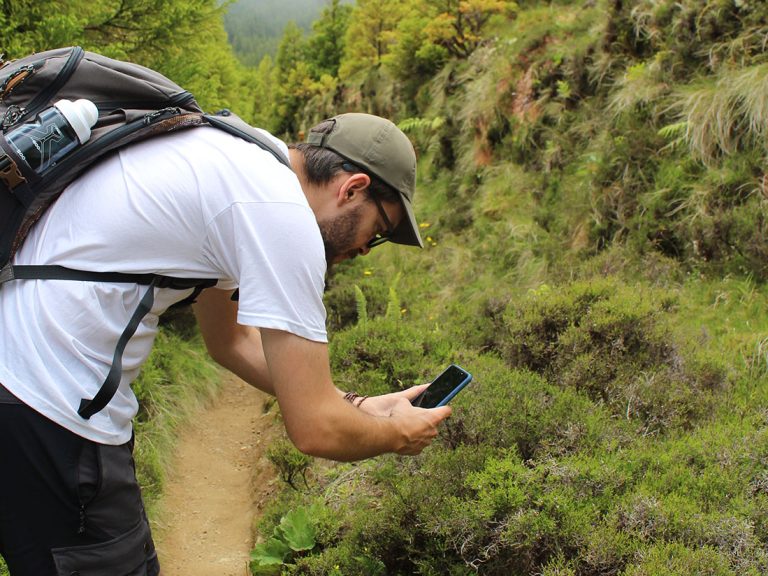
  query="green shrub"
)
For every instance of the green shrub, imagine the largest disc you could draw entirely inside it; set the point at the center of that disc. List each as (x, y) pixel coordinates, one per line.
(614, 343)
(675, 559)
(387, 354)
(518, 409)
(290, 463)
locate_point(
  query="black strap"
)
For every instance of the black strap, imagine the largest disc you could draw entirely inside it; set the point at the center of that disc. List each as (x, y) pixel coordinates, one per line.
(53, 272)
(111, 383)
(23, 272)
(229, 122)
(108, 388)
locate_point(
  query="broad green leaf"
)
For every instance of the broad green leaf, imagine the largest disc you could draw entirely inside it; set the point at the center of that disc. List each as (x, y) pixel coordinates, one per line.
(272, 552)
(298, 530)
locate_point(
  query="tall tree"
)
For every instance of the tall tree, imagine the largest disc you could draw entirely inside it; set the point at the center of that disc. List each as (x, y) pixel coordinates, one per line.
(459, 24)
(291, 48)
(325, 47)
(371, 34)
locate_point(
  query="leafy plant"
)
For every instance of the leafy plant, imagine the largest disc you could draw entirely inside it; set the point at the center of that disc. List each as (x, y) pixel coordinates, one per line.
(361, 305)
(290, 463)
(294, 535)
(393, 303)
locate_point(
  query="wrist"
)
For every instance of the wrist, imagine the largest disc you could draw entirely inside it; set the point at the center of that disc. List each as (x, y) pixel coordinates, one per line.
(355, 399)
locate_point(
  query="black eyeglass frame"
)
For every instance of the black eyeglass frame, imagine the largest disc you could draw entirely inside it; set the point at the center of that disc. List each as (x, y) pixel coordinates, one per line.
(379, 238)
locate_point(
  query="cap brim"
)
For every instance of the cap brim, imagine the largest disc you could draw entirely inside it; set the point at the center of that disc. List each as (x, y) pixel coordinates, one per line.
(407, 232)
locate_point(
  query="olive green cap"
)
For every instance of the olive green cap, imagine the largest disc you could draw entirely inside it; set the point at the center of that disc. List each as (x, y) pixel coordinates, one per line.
(379, 147)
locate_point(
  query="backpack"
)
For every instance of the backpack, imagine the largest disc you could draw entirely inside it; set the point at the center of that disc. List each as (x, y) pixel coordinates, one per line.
(134, 103)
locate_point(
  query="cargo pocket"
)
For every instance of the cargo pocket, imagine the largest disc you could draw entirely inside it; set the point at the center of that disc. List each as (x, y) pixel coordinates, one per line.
(131, 554)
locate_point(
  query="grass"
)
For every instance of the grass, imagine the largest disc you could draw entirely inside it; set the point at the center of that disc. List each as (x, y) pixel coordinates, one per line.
(177, 380)
(727, 113)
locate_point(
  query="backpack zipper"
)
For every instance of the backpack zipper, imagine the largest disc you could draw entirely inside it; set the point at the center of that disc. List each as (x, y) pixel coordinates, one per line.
(180, 99)
(61, 78)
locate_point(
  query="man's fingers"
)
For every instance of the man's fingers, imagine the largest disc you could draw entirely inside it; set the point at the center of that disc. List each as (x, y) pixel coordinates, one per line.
(414, 391)
(442, 412)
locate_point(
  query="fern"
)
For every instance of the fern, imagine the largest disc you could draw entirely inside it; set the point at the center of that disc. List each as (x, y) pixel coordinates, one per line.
(361, 305)
(423, 131)
(414, 124)
(675, 133)
(393, 303)
(420, 125)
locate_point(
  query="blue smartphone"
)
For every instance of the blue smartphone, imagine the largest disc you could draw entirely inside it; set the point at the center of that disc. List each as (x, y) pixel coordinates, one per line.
(443, 388)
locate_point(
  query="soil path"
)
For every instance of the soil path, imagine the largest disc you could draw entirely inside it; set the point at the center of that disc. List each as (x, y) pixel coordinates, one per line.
(219, 482)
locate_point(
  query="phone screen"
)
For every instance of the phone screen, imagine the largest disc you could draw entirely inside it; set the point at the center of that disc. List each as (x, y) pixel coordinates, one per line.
(443, 388)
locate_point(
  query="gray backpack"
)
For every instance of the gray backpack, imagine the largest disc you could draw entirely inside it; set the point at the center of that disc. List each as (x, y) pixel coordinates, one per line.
(134, 103)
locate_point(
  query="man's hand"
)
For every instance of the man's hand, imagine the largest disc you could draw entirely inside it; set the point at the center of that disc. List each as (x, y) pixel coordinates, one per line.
(418, 425)
(384, 404)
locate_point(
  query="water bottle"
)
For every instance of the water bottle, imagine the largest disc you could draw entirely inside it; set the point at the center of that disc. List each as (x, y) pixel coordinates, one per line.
(52, 135)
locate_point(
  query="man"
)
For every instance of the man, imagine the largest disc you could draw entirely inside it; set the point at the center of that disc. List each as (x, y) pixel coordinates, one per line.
(198, 203)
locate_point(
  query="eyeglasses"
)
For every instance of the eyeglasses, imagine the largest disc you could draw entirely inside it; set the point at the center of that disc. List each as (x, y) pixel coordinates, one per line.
(386, 236)
(378, 238)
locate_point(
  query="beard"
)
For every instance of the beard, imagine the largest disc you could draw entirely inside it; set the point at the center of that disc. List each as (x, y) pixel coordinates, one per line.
(339, 236)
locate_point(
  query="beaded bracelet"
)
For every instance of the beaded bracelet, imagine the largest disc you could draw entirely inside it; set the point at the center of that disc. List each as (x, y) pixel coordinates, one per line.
(352, 396)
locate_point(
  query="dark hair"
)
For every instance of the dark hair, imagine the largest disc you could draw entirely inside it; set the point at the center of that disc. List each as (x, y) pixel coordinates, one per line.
(321, 165)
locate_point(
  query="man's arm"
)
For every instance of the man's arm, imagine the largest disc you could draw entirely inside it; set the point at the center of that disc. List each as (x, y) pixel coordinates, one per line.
(317, 418)
(321, 423)
(236, 347)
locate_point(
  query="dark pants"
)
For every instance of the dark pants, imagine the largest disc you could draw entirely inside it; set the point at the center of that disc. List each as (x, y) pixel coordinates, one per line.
(68, 506)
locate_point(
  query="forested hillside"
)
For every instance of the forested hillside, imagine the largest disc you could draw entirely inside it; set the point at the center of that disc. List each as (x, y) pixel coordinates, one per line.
(592, 194)
(254, 27)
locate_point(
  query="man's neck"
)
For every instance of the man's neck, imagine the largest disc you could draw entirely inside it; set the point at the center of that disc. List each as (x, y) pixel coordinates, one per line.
(311, 191)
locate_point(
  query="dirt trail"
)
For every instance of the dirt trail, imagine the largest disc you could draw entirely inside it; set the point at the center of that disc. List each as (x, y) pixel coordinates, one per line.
(220, 480)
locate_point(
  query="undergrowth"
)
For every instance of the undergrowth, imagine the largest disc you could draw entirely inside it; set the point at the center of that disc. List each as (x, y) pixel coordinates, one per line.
(592, 195)
(598, 437)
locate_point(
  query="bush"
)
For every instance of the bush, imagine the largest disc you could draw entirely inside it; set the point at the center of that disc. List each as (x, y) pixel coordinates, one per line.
(387, 354)
(520, 410)
(614, 343)
(289, 462)
(674, 559)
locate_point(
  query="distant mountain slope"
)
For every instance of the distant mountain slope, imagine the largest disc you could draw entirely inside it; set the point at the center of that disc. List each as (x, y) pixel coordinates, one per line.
(254, 27)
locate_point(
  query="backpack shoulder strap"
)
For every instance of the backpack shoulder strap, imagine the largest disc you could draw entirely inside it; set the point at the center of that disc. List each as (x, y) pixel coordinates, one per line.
(229, 122)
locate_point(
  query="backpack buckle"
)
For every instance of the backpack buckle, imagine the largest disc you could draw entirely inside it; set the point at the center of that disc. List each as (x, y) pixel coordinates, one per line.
(9, 172)
(12, 115)
(6, 274)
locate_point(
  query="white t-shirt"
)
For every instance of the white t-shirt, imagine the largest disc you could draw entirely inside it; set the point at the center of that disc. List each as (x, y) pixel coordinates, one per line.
(199, 203)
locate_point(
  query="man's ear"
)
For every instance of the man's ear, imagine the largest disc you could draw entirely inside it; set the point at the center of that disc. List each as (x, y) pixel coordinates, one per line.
(352, 187)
